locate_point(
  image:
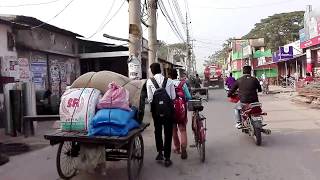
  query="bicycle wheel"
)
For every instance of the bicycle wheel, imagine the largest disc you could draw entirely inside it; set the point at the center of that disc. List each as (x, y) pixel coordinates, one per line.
(202, 151)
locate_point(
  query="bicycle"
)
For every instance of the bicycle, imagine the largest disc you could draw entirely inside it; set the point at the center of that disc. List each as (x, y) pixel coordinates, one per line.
(199, 126)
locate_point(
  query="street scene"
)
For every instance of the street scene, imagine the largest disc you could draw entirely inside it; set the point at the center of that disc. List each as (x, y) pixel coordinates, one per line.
(291, 152)
(156, 89)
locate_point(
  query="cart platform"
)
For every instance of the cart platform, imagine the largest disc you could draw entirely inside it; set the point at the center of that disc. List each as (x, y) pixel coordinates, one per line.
(82, 137)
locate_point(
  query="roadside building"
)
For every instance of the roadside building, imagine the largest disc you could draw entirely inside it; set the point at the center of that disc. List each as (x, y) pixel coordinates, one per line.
(251, 52)
(99, 56)
(310, 40)
(42, 54)
(291, 60)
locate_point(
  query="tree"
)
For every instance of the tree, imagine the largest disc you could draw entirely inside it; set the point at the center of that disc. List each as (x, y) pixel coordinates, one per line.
(278, 30)
(219, 56)
(178, 48)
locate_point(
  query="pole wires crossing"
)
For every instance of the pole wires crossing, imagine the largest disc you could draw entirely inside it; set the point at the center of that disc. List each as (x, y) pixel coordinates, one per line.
(171, 23)
(28, 4)
(60, 12)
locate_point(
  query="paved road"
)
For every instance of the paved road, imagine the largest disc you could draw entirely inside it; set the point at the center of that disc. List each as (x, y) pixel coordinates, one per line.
(292, 152)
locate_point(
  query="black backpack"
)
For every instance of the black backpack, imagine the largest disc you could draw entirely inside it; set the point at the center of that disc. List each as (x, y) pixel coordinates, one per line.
(162, 104)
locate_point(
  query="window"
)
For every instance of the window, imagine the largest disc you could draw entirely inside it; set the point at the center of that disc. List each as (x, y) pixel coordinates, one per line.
(10, 41)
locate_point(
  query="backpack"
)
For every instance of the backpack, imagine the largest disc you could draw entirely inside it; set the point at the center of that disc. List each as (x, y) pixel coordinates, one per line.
(162, 105)
(180, 105)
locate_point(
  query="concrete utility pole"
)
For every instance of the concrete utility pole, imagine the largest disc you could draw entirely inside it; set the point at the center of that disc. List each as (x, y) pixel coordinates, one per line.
(152, 31)
(189, 63)
(135, 39)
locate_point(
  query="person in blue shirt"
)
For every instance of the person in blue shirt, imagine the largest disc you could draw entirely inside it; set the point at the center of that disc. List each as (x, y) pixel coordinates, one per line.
(180, 144)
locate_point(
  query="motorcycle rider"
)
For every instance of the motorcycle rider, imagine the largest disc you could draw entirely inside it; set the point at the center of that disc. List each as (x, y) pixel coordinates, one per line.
(249, 87)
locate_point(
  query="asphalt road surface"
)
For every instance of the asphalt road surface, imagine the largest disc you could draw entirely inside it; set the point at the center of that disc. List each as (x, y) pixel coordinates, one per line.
(292, 152)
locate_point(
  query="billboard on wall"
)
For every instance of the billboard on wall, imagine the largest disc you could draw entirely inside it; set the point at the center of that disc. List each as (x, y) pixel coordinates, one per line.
(312, 42)
(275, 56)
(302, 35)
(238, 45)
(311, 25)
(257, 42)
(286, 52)
(247, 51)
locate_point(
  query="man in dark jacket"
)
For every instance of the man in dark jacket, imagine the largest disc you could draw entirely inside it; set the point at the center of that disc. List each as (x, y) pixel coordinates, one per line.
(248, 91)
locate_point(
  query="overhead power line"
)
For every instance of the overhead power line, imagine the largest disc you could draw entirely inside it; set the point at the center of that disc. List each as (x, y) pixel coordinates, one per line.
(29, 4)
(104, 20)
(174, 17)
(169, 20)
(246, 7)
(60, 12)
(107, 22)
(179, 13)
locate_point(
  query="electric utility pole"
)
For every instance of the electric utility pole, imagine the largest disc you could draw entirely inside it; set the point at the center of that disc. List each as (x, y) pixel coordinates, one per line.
(135, 39)
(152, 31)
(188, 47)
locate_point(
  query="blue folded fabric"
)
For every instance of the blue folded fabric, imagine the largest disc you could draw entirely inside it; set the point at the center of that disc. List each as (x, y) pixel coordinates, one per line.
(113, 130)
(115, 117)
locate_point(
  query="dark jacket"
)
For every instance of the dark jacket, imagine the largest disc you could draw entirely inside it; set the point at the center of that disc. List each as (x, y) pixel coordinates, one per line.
(248, 89)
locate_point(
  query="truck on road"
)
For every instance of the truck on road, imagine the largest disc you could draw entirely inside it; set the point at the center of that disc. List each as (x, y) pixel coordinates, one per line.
(213, 76)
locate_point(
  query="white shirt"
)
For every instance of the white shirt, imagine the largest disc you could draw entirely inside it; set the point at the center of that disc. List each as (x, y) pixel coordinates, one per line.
(159, 78)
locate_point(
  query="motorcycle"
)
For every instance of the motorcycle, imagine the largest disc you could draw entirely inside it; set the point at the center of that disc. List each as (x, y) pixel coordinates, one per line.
(252, 120)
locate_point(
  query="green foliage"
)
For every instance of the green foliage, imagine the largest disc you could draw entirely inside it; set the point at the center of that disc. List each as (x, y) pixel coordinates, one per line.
(279, 29)
(219, 56)
(180, 49)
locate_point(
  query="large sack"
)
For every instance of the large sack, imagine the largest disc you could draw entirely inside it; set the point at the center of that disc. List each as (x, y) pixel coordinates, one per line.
(77, 108)
(100, 80)
(116, 117)
(115, 97)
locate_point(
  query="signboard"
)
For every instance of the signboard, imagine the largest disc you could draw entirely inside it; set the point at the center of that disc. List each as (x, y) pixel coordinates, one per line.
(286, 52)
(313, 27)
(39, 71)
(261, 61)
(237, 45)
(257, 42)
(24, 69)
(317, 72)
(275, 56)
(302, 35)
(312, 42)
(318, 25)
(247, 51)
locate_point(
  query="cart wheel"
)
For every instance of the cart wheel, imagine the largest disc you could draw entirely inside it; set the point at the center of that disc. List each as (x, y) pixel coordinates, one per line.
(66, 160)
(135, 157)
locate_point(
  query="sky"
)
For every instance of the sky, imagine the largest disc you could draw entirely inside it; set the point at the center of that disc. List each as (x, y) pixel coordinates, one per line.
(212, 21)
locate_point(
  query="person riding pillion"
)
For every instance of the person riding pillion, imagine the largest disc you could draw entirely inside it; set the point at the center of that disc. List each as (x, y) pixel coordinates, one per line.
(249, 87)
(161, 93)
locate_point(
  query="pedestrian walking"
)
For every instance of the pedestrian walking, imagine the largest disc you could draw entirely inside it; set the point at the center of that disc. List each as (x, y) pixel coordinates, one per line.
(161, 93)
(180, 125)
(197, 81)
